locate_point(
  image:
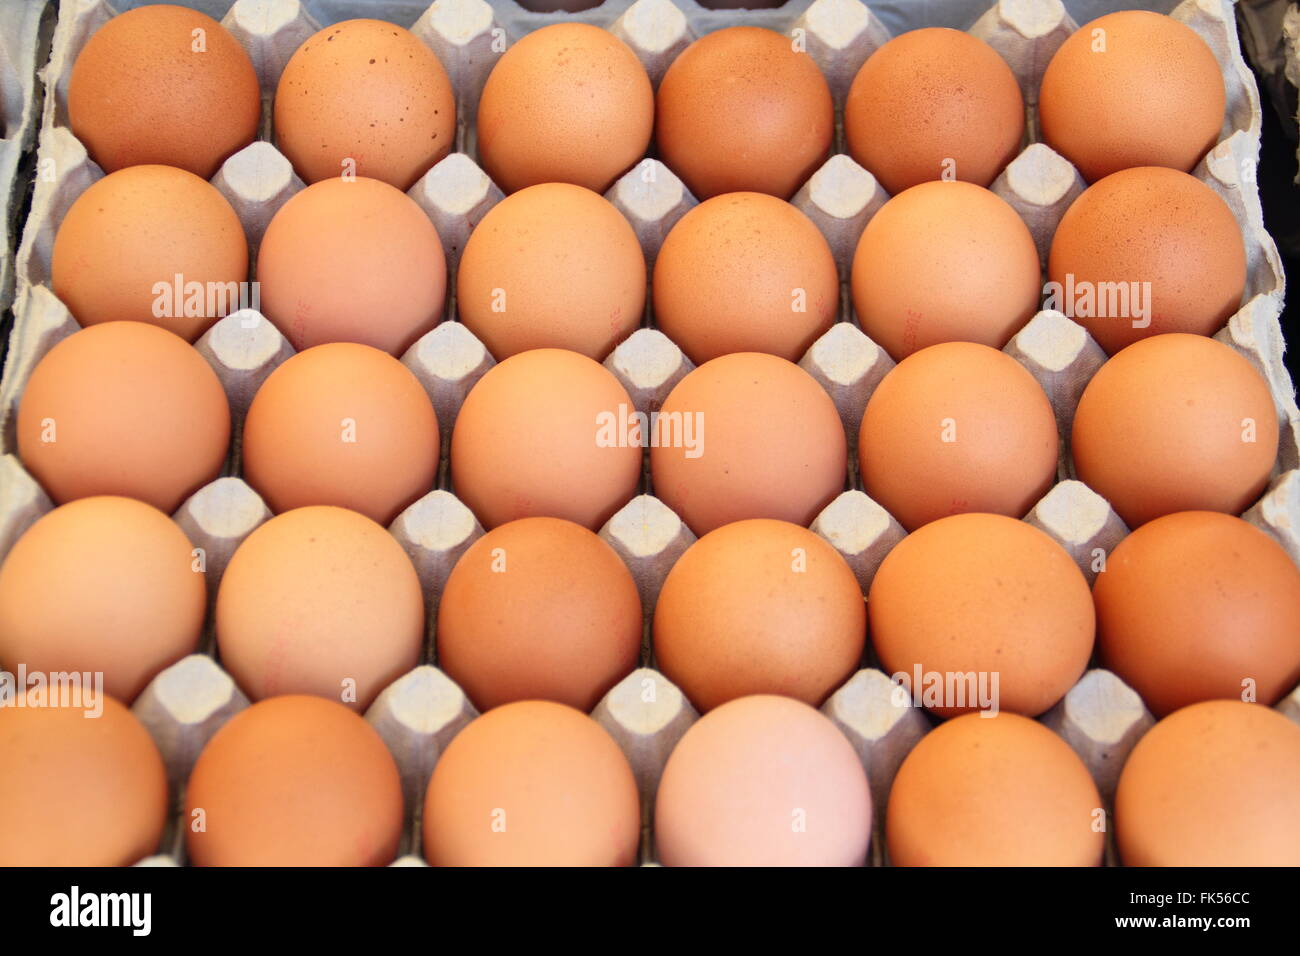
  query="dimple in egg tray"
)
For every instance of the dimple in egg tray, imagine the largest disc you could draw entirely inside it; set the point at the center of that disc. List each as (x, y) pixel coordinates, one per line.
(418, 714)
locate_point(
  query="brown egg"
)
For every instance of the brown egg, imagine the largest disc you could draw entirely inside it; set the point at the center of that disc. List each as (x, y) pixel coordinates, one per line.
(151, 244)
(1175, 423)
(763, 781)
(163, 84)
(352, 261)
(934, 103)
(759, 607)
(1146, 251)
(532, 783)
(319, 601)
(994, 791)
(569, 103)
(553, 266)
(1200, 605)
(539, 609)
(981, 612)
(123, 409)
(954, 428)
(741, 110)
(294, 781)
(1132, 88)
(105, 585)
(944, 262)
(773, 448)
(92, 790)
(1214, 784)
(344, 425)
(745, 272)
(539, 435)
(364, 97)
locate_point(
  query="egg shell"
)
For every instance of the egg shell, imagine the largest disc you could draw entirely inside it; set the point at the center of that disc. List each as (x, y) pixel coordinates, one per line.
(352, 261)
(125, 241)
(319, 601)
(105, 585)
(126, 409)
(748, 435)
(162, 84)
(741, 110)
(1213, 784)
(539, 609)
(364, 97)
(345, 425)
(994, 791)
(529, 441)
(988, 596)
(745, 272)
(759, 607)
(934, 103)
(567, 103)
(1153, 226)
(552, 266)
(92, 790)
(954, 428)
(763, 781)
(532, 783)
(294, 781)
(1200, 605)
(944, 262)
(1132, 88)
(1172, 423)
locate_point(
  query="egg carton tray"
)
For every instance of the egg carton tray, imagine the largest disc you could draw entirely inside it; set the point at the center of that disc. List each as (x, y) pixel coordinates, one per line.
(419, 713)
(24, 32)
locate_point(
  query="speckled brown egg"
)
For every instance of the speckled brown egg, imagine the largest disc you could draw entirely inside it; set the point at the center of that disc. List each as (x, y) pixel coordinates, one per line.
(294, 781)
(988, 597)
(1146, 251)
(352, 261)
(319, 601)
(163, 84)
(539, 609)
(745, 272)
(547, 432)
(365, 98)
(127, 409)
(763, 781)
(1175, 423)
(533, 783)
(1200, 605)
(1132, 88)
(92, 791)
(994, 791)
(569, 103)
(151, 244)
(759, 607)
(1214, 784)
(944, 262)
(342, 424)
(954, 428)
(552, 266)
(934, 104)
(102, 585)
(747, 435)
(741, 109)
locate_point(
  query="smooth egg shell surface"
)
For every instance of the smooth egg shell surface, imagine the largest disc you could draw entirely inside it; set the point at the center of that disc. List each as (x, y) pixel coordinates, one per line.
(763, 781)
(532, 783)
(759, 607)
(295, 781)
(365, 97)
(92, 790)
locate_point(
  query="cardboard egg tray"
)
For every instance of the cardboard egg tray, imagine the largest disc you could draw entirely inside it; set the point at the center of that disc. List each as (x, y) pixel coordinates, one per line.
(418, 714)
